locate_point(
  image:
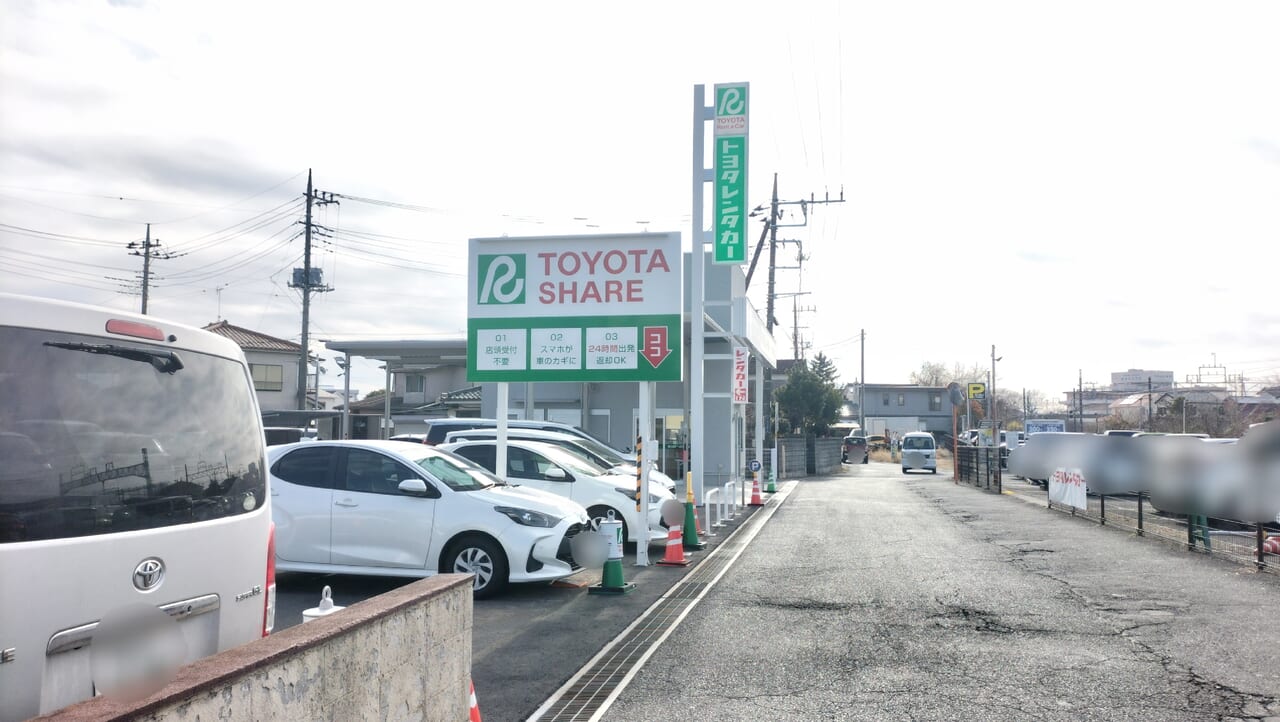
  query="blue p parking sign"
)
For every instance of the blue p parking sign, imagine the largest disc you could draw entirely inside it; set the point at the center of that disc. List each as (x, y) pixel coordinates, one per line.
(753, 465)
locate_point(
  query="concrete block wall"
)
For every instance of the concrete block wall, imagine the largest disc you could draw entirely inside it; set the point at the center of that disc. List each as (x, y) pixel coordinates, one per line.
(794, 457)
(403, 655)
(826, 455)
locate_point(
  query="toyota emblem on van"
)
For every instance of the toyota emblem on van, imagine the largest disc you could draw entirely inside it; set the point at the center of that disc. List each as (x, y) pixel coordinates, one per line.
(148, 574)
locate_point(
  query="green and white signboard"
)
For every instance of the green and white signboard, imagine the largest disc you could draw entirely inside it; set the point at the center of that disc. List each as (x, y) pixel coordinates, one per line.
(575, 308)
(731, 173)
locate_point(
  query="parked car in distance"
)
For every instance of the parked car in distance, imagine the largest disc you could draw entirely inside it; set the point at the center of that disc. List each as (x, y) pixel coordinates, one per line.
(277, 435)
(439, 429)
(854, 449)
(876, 441)
(919, 451)
(388, 508)
(550, 468)
(589, 449)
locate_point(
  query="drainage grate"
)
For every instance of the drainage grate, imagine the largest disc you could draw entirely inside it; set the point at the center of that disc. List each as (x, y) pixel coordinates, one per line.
(588, 694)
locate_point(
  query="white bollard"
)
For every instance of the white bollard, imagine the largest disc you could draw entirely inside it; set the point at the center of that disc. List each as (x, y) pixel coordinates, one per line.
(708, 499)
(326, 607)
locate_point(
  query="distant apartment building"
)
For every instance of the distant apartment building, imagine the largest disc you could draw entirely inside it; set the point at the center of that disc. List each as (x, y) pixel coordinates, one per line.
(1135, 380)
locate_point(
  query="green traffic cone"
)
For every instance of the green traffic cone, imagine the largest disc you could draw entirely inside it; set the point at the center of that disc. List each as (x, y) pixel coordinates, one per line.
(691, 540)
(611, 581)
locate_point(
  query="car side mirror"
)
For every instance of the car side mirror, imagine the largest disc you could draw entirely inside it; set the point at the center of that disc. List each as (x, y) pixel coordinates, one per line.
(555, 473)
(416, 487)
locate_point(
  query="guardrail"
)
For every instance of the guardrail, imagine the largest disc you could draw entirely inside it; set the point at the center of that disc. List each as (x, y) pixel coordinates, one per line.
(1240, 541)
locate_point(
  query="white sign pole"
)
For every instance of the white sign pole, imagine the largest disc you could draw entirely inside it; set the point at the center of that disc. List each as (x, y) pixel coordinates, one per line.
(646, 455)
(697, 326)
(500, 458)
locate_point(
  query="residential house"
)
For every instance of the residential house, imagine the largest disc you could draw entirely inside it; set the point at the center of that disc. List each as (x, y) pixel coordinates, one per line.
(273, 363)
(901, 408)
(1134, 409)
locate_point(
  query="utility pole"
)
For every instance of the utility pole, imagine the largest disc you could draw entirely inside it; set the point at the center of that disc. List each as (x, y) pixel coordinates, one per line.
(148, 249)
(995, 422)
(1148, 403)
(304, 279)
(773, 255)
(1080, 400)
(862, 385)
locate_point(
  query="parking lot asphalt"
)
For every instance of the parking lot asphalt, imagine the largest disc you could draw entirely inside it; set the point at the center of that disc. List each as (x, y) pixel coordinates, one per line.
(529, 640)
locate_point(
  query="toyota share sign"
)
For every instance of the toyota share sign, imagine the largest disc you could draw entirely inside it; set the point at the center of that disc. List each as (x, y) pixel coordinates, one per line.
(575, 308)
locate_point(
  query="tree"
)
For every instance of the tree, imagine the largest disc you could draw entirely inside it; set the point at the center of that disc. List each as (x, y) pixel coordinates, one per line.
(931, 373)
(935, 373)
(809, 403)
(825, 369)
(374, 394)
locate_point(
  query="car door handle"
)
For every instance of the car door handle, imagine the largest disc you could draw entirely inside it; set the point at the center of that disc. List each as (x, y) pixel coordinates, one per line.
(345, 502)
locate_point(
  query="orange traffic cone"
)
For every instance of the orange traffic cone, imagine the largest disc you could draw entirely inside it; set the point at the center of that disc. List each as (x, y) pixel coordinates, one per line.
(675, 549)
(755, 490)
(475, 709)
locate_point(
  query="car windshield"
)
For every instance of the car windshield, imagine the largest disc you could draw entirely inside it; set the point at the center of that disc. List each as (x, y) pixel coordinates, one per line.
(573, 463)
(917, 442)
(609, 453)
(457, 473)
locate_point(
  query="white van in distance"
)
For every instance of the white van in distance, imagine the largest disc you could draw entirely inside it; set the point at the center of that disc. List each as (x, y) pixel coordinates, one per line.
(919, 452)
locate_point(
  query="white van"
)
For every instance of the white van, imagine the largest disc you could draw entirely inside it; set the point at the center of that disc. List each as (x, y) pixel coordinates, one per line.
(132, 477)
(919, 452)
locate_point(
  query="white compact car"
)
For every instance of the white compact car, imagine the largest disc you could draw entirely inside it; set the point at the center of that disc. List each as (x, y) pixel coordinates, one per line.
(584, 446)
(395, 509)
(919, 452)
(551, 468)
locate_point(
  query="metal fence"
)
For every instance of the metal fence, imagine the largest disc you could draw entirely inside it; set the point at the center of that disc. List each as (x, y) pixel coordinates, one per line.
(979, 466)
(1242, 542)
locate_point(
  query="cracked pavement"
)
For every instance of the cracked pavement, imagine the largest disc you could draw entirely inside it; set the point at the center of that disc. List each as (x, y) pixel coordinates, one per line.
(874, 596)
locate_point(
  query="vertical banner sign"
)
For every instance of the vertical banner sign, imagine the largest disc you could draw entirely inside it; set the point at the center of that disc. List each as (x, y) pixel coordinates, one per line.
(731, 173)
(575, 308)
(740, 357)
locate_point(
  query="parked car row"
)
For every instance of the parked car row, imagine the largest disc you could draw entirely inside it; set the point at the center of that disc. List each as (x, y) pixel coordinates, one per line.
(405, 508)
(1182, 473)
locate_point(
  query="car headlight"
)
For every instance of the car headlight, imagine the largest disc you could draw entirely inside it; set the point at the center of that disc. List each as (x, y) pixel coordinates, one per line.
(631, 494)
(527, 517)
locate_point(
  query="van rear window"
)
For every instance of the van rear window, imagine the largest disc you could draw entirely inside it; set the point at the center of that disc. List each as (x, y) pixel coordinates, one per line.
(103, 435)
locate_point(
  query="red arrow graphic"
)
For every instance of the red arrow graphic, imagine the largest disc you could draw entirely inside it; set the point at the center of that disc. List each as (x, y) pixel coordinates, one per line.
(655, 345)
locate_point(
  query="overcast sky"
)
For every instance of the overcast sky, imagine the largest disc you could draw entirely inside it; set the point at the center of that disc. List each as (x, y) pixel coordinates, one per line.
(1086, 185)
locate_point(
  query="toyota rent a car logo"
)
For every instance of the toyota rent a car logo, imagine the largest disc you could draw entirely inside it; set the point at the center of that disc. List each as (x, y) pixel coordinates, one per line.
(501, 279)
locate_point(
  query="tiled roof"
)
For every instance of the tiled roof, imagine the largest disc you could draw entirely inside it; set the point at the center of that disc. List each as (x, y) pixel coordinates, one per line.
(252, 340)
(471, 393)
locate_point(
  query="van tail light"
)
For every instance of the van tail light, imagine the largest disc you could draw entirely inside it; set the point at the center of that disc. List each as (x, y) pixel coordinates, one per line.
(269, 603)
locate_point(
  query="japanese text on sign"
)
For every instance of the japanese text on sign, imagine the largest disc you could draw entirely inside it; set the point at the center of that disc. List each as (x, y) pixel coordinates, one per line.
(730, 242)
(740, 359)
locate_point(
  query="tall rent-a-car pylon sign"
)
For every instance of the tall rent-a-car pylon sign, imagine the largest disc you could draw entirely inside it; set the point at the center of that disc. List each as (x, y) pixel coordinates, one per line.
(731, 173)
(575, 308)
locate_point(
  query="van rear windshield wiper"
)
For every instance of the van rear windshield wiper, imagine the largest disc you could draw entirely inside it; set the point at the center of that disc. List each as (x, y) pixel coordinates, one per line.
(163, 361)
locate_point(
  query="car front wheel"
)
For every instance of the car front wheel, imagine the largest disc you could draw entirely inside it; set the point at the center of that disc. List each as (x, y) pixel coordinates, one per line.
(483, 558)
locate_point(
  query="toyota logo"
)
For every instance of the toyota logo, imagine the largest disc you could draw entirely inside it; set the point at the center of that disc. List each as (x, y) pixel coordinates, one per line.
(148, 574)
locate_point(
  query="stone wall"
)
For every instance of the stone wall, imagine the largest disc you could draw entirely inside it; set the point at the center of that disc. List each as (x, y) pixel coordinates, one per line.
(403, 655)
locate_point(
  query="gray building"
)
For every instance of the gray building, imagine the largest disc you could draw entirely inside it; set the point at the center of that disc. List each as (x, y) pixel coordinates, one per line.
(900, 408)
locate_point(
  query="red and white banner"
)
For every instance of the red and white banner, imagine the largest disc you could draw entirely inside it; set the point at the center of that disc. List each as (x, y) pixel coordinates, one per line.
(740, 357)
(1067, 486)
